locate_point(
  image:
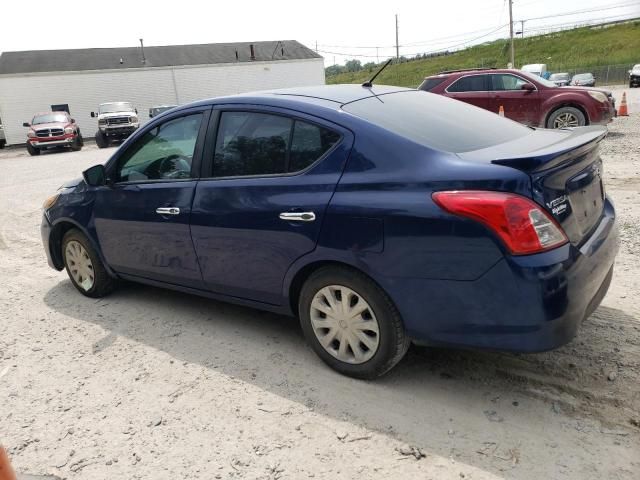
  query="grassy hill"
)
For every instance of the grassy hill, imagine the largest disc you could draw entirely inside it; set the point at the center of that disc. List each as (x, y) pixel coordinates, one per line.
(581, 49)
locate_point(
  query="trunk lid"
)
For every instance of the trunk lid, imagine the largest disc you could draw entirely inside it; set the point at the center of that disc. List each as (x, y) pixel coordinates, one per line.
(565, 170)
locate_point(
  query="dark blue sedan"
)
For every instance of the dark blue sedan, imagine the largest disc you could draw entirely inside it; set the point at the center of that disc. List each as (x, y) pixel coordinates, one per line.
(380, 216)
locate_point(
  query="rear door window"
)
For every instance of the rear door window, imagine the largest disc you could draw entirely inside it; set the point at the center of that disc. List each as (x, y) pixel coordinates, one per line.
(469, 83)
(253, 143)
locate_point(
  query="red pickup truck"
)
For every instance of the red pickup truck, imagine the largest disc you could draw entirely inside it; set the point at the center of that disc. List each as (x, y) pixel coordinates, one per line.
(52, 130)
(525, 98)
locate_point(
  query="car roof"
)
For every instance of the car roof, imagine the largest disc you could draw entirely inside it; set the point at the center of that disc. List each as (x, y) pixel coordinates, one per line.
(475, 71)
(337, 95)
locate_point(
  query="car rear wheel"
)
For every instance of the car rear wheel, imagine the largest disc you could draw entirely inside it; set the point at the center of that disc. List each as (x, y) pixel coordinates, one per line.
(33, 151)
(351, 323)
(101, 140)
(566, 117)
(84, 267)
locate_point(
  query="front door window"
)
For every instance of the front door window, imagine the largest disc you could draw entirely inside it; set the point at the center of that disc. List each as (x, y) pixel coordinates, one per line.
(163, 153)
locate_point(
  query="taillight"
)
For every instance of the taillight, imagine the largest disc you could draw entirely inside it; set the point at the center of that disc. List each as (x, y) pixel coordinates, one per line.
(520, 223)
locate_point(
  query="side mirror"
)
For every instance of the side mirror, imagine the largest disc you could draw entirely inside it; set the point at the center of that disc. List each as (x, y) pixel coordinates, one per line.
(26, 124)
(73, 120)
(528, 86)
(93, 114)
(95, 176)
(136, 110)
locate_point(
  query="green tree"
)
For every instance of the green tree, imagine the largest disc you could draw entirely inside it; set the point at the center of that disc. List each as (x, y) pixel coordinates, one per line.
(334, 70)
(353, 65)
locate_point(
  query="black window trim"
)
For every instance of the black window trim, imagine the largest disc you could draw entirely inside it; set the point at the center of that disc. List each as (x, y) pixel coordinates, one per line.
(469, 75)
(112, 164)
(206, 171)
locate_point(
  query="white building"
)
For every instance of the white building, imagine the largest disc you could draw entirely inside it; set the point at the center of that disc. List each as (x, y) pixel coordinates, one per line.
(36, 81)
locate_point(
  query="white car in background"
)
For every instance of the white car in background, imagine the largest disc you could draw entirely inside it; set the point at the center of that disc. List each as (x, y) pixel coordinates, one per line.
(539, 69)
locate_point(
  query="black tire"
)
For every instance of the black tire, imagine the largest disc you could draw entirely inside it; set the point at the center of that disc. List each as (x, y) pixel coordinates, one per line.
(2, 144)
(33, 151)
(80, 139)
(570, 111)
(393, 341)
(103, 283)
(101, 140)
(76, 145)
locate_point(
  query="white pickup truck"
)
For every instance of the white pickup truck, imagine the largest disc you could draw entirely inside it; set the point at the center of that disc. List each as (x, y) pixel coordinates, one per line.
(116, 121)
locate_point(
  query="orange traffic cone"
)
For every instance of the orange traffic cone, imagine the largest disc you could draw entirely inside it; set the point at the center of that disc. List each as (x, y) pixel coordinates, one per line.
(6, 472)
(501, 111)
(622, 111)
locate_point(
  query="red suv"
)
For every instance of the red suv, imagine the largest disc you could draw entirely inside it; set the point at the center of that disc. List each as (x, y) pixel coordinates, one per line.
(526, 98)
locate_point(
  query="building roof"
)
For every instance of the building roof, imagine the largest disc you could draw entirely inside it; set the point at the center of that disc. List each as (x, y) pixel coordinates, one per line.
(38, 61)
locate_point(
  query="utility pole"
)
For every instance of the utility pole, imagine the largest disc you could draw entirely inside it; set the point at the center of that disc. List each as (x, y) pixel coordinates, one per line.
(377, 56)
(522, 28)
(398, 46)
(513, 55)
(316, 46)
(144, 60)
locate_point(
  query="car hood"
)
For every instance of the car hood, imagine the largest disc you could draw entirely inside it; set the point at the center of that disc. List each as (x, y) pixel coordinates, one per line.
(72, 183)
(49, 125)
(582, 89)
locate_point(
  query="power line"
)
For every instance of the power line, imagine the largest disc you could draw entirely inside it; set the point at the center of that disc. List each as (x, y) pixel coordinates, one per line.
(577, 12)
(437, 40)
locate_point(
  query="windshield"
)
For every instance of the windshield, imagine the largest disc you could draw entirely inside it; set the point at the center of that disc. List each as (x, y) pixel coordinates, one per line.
(583, 76)
(49, 118)
(536, 78)
(559, 76)
(636, 67)
(437, 122)
(116, 107)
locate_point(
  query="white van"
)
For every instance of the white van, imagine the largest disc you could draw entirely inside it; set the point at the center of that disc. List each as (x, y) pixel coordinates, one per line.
(539, 69)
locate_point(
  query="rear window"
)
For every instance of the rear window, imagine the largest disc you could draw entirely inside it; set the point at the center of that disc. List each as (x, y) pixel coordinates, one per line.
(436, 121)
(429, 83)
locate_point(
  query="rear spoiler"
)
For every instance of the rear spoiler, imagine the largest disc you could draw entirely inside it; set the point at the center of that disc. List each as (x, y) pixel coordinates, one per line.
(578, 142)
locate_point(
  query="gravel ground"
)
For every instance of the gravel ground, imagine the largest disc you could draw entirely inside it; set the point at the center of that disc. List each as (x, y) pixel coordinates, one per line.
(148, 383)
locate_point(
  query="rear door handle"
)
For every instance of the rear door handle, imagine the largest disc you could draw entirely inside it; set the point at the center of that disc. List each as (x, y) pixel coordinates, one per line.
(168, 211)
(298, 216)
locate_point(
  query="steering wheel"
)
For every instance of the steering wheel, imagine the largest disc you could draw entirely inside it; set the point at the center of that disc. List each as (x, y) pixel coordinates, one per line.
(175, 166)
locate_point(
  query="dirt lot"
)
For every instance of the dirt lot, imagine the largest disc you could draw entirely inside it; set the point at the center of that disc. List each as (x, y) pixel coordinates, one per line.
(154, 384)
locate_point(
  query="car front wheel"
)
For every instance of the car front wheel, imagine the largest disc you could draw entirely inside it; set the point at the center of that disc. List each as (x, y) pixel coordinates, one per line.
(84, 267)
(33, 151)
(77, 143)
(566, 117)
(351, 323)
(101, 139)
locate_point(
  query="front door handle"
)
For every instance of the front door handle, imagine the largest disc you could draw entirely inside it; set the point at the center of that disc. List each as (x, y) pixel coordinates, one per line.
(168, 211)
(298, 216)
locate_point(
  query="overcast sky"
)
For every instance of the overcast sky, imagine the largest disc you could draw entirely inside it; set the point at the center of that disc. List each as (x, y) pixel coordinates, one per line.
(340, 28)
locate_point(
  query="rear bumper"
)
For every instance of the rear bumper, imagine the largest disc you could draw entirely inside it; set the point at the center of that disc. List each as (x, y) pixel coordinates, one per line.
(525, 304)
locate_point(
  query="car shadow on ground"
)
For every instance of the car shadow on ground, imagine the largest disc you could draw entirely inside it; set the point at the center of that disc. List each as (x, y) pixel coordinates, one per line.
(493, 393)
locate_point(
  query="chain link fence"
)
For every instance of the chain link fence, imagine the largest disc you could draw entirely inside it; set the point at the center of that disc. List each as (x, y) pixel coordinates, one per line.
(605, 74)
